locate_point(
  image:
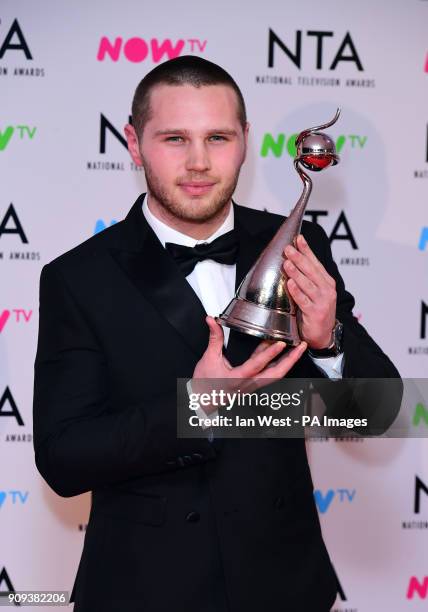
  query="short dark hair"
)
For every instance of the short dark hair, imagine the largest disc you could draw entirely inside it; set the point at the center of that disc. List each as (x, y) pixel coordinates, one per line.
(184, 70)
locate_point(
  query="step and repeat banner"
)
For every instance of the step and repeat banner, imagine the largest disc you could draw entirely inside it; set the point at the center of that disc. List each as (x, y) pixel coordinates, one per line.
(68, 71)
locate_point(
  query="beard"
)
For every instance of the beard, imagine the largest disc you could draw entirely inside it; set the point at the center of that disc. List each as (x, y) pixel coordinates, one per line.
(196, 208)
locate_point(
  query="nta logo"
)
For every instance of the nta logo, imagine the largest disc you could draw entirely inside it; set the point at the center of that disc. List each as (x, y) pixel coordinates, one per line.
(137, 49)
(16, 227)
(15, 41)
(106, 125)
(5, 579)
(424, 314)
(346, 51)
(341, 229)
(340, 589)
(420, 486)
(7, 399)
(108, 133)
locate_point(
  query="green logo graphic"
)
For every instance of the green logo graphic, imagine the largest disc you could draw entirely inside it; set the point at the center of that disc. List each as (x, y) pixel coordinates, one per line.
(420, 414)
(24, 131)
(282, 143)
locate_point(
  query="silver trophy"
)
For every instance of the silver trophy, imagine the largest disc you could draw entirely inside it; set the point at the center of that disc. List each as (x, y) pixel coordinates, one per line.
(262, 305)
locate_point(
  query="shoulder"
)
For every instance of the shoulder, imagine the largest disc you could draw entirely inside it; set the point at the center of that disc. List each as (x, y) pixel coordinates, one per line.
(90, 249)
(256, 219)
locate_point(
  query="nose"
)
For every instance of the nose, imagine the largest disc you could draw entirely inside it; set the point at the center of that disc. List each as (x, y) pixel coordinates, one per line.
(198, 159)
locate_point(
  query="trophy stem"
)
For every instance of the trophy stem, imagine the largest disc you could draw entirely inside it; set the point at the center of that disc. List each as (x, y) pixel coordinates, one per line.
(295, 218)
(262, 305)
(273, 257)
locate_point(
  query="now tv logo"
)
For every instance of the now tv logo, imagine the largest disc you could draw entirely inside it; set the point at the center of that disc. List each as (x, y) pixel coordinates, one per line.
(324, 500)
(20, 315)
(417, 587)
(137, 49)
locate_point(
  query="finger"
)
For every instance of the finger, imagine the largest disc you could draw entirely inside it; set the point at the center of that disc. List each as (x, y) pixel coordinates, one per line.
(304, 248)
(261, 346)
(305, 265)
(303, 282)
(216, 338)
(258, 362)
(282, 366)
(302, 300)
(227, 363)
(312, 270)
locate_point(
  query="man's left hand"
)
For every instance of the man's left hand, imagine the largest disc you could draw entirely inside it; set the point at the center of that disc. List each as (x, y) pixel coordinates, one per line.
(314, 292)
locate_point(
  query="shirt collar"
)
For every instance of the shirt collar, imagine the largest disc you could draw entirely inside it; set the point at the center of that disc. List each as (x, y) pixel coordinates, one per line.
(165, 233)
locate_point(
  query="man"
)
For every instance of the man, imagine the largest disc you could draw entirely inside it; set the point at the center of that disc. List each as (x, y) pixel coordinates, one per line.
(189, 525)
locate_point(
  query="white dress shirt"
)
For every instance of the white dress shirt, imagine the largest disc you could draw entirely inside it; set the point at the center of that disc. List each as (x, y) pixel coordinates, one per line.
(214, 283)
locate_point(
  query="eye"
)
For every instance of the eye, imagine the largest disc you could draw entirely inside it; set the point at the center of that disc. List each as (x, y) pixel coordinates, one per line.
(174, 139)
(217, 138)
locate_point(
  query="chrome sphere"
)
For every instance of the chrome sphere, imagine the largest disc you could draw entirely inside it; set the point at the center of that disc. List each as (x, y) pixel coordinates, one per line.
(316, 151)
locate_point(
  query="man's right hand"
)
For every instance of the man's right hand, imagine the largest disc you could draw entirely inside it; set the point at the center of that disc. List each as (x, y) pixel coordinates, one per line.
(259, 370)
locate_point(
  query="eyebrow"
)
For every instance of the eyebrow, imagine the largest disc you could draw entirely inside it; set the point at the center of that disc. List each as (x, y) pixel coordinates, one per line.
(226, 131)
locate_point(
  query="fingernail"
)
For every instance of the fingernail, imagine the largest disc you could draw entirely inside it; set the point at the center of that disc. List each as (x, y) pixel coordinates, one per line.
(281, 343)
(303, 346)
(302, 240)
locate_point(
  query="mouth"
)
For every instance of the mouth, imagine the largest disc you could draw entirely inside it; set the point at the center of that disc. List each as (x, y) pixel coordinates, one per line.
(196, 188)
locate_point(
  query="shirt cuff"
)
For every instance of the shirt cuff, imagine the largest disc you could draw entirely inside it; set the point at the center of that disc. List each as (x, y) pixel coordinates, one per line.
(331, 366)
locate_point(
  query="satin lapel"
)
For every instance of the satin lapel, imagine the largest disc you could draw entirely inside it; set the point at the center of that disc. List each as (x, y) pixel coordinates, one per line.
(155, 274)
(240, 346)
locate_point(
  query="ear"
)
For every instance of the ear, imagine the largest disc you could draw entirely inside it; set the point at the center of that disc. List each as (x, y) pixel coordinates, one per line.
(246, 132)
(133, 144)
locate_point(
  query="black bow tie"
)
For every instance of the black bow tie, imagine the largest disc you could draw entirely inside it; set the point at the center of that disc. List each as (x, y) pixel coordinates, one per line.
(223, 249)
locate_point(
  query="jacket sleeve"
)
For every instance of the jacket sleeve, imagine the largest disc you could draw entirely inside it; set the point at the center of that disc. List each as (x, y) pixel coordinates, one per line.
(81, 441)
(363, 357)
(371, 396)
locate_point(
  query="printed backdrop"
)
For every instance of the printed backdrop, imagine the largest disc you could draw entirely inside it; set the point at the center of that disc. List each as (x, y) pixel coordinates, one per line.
(68, 71)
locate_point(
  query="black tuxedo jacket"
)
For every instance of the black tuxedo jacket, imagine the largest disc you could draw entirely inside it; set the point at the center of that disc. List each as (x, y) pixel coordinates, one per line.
(175, 524)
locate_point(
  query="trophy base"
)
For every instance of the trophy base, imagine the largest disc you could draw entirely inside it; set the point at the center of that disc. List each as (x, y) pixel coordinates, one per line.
(257, 320)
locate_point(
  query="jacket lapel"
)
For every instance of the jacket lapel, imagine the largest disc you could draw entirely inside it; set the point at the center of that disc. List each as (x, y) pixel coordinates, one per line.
(155, 274)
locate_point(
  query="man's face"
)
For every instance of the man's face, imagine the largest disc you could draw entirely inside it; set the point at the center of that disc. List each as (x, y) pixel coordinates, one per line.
(192, 149)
